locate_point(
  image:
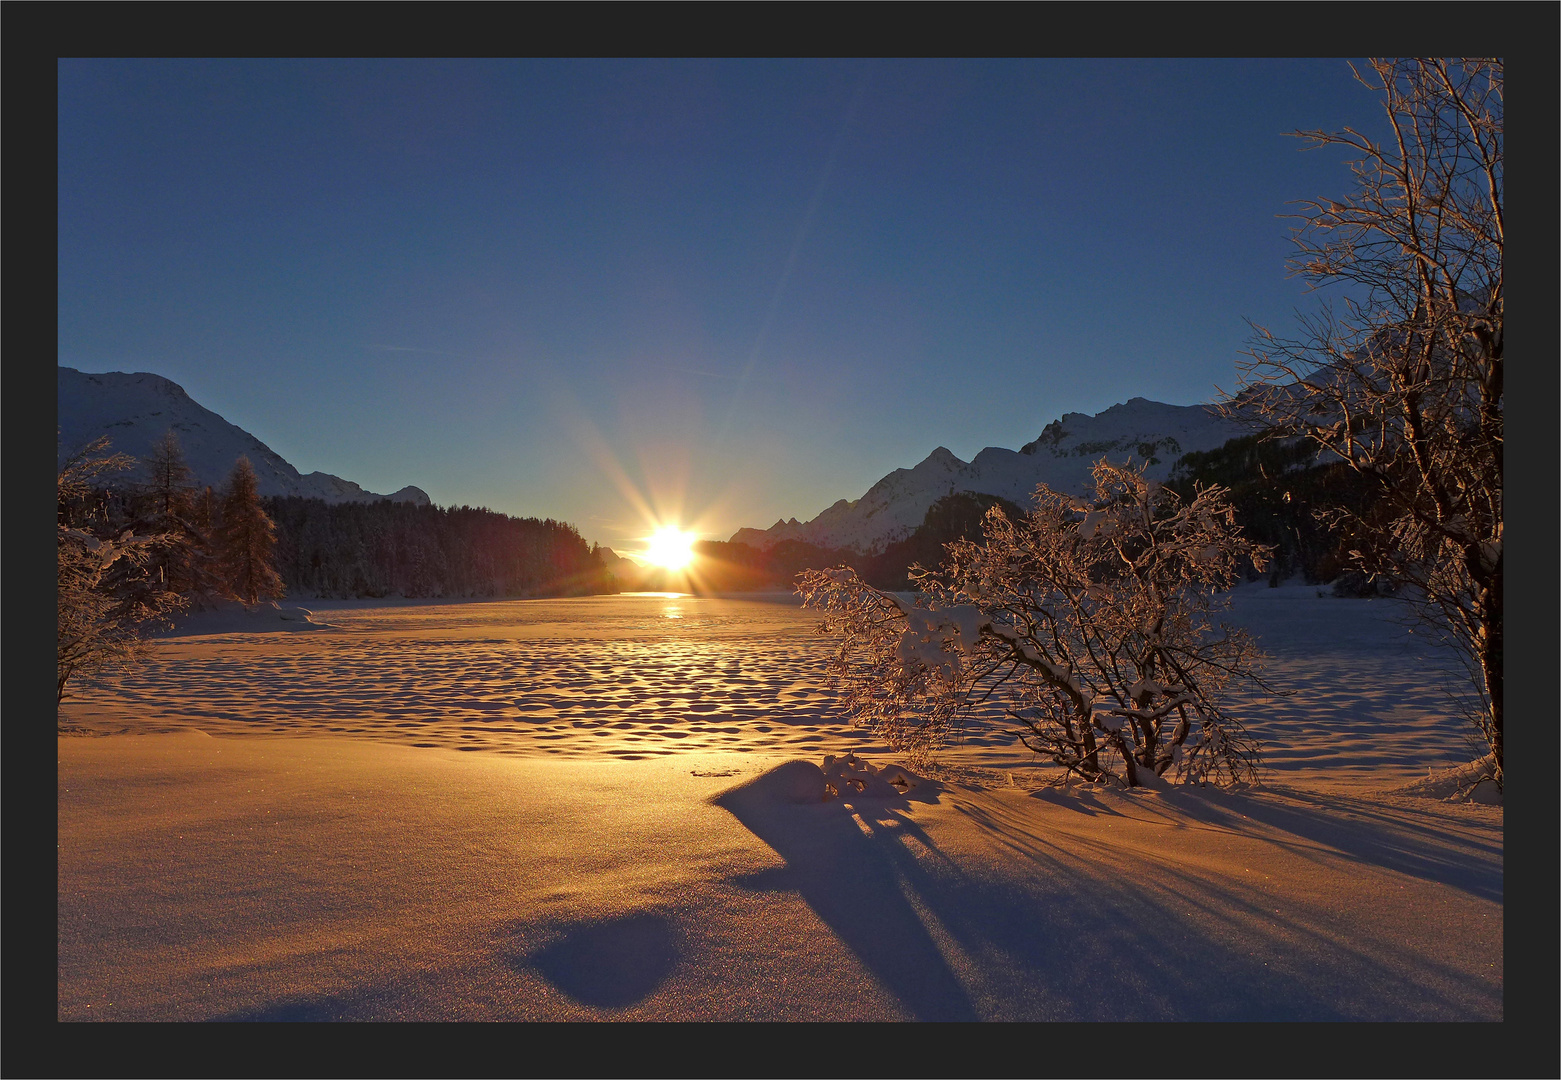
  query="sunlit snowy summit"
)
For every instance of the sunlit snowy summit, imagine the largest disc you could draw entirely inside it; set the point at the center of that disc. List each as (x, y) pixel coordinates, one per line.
(1061, 457)
(135, 409)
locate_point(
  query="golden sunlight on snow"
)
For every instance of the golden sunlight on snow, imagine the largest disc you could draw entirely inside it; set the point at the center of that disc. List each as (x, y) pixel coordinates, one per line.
(588, 809)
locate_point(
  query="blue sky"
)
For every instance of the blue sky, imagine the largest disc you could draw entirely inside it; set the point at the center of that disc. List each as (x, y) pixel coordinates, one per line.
(721, 292)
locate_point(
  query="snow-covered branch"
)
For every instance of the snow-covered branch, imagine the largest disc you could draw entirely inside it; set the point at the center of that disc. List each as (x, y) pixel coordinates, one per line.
(1090, 622)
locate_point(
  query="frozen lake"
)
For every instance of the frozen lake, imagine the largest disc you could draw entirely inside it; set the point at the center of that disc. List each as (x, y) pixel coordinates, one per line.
(1363, 702)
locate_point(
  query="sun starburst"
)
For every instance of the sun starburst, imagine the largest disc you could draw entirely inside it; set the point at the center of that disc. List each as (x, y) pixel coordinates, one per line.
(670, 548)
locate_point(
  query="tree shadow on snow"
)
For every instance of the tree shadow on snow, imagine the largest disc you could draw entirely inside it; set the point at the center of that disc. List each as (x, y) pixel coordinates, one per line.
(613, 963)
(1415, 844)
(1065, 930)
(850, 880)
(303, 1008)
(1056, 931)
(1430, 842)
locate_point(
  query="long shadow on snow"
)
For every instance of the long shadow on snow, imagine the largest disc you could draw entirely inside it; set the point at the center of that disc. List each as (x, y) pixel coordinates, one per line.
(307, 1008)
(613, 963)
(1059, 932)
(1077, 931)
(850, 882)
(1410, 842)
(1429, 842)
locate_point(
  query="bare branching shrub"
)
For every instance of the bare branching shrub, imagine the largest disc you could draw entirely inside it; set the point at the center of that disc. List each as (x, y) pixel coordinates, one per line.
(1403, 380)
(105, 599)
(1092, 624)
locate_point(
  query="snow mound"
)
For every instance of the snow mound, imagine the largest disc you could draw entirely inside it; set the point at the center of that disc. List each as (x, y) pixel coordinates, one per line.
(790, 782)
(1473, 782)
(232, 617)
(846, 777)
(849, 776)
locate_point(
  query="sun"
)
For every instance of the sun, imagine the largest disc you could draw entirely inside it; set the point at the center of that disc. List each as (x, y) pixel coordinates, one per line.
(670, 548)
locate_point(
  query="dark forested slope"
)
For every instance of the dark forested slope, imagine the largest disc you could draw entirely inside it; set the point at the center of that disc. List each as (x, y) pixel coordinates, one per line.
(385, 548)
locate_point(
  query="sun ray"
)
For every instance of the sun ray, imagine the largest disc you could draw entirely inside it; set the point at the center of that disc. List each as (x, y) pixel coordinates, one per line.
(670, 548)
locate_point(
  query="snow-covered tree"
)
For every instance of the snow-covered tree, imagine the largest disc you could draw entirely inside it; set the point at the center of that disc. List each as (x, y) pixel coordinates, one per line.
(1092, 623)
(247, 539)
(105, 601)
(1403, 381)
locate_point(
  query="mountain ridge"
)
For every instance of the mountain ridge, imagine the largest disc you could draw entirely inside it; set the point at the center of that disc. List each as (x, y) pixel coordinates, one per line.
(1061, 457)
(134, 409)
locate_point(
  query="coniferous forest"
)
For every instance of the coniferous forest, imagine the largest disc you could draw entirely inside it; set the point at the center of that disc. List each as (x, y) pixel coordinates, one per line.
(133, 555)
(385, 548)
(207, 546)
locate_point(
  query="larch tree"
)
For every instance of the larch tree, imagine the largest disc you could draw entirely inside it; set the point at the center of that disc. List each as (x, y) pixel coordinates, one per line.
(169, 485)
(247, 539)
(1403, 379)
(167, 503)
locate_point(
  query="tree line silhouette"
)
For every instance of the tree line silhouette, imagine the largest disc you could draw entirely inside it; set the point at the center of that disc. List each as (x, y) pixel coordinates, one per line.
(385, 548)
(134, 555)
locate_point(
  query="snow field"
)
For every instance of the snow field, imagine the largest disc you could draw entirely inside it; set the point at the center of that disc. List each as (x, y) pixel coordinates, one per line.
(285, 826)
(1363, 707)
(353, 879)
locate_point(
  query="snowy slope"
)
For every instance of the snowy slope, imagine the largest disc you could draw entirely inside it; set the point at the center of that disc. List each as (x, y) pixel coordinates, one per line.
(592, 804)
(134, 410)
(1061, 458)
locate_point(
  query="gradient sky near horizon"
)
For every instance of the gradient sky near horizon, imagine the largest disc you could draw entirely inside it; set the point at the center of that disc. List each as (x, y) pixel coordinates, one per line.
(716, 292)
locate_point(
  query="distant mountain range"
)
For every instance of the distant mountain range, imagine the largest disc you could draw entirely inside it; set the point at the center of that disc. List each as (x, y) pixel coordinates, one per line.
(1061, 457)
(135, 409)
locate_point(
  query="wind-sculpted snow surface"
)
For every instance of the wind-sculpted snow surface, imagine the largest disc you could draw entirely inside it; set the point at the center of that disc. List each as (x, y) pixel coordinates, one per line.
(622, 677)
(652, 835)
(649, 676)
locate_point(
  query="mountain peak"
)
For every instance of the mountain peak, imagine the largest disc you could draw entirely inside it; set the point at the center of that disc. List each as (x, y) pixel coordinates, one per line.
(1062, 458)
(943, 457)
(135, 409)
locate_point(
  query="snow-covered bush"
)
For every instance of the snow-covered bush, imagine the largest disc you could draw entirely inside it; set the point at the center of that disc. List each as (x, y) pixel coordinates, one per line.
(105, 600)
(847, 776)
(1093, 624)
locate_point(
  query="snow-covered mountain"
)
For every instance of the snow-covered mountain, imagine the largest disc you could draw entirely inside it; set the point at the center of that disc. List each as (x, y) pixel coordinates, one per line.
(135, 409)
(1061, 458)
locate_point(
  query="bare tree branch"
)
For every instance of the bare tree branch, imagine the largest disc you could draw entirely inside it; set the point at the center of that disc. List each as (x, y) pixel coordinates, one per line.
(1406, 384)
(1092, 624)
